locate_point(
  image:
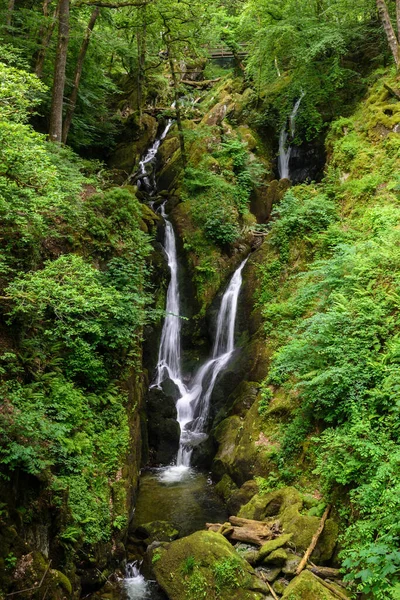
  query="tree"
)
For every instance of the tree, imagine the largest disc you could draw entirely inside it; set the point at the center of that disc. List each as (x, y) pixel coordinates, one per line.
(56, 112)
(392, 39)
(78, 74)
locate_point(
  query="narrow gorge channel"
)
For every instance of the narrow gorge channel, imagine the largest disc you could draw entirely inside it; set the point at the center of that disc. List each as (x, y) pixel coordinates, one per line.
(180, 494)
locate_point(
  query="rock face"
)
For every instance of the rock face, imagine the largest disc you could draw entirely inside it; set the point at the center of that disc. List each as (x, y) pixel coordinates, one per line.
(163, 428)
(205, 565)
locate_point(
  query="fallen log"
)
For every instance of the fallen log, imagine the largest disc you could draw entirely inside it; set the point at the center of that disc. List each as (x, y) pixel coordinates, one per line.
(314, 541)
(246, 530)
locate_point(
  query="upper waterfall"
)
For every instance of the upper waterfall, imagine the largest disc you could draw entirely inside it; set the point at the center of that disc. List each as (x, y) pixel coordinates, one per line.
(285, 149)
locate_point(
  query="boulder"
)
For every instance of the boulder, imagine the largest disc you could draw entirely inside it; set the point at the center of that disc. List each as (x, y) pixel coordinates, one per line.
(286, 504)
(273, 545)
(156, 531)
(278, 558)
(205, 565)
(306, 586)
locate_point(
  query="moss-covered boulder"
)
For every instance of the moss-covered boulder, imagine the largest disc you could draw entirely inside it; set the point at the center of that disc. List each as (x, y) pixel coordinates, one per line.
(205, 565)
(286, 504)
(278, 558)
(137, 138)
(273, 545)
(160, 531)
(306, 587)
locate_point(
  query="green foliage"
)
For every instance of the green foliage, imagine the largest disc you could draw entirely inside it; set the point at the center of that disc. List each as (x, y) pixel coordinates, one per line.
(188, 565)
(330, 299)
(228, 573)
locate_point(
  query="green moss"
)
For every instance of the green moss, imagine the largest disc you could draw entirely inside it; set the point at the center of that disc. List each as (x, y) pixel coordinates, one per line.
(306, 586)
(278, 557)
(217, 570)
(272, 545)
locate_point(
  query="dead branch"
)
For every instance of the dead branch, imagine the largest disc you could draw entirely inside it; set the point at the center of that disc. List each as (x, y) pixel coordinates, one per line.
(314, 541)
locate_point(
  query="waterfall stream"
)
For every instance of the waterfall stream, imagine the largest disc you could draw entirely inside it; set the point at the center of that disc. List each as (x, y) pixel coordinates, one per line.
(285, 149)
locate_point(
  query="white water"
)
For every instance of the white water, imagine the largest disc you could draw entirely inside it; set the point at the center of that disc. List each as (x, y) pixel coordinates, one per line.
(194, 404)
(285, 149)
(146, 176)
(136, 586)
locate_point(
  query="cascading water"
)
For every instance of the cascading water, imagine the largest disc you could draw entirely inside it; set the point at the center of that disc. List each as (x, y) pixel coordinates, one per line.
(285, 149)
(146, 177)
(135, 585)
(169, 355)
(193, 407)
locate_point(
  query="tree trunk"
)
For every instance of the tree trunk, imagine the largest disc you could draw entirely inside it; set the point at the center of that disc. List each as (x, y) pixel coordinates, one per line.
(78, 74)
(141, 46)
(56, 114)
(10, 10)
(388, 27)
(45, 35)
(398, 18)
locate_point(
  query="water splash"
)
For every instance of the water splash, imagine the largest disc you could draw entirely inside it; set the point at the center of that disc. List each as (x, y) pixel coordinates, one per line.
(135, 584)
(285, 149)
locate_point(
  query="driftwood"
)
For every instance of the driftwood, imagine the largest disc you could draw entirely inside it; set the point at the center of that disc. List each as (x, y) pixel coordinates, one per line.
(324, 572)
(314, 541)
(246, 530)
(330, 587)
(200, 84)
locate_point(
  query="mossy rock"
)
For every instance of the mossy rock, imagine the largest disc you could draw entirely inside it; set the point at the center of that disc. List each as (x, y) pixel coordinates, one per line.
(168, 149)
(278, 558)
(204, 564)
(242, 496)
(306, 587)
(169, 174)
(226, 488)
(161, 531)
(248, 137)
(273, 545)
(218, 112)
(286, 504)
(33, 568)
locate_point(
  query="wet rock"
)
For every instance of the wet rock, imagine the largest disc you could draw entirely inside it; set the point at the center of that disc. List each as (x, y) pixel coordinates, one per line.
(306, 586)
(242, 496)
(137, 137)
(161, 531)
(226, 488)
(218, 113)
(205, 562)
(163, 429)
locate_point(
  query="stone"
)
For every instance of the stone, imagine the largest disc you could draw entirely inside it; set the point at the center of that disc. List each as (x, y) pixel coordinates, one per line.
(226, 488)
(242, 496)
(273, 545)
(161, 531)
(280, 586)
(205, 564)
(269, 573)
(306, 586)
(163, 428)
(291, 564)
(278, 557)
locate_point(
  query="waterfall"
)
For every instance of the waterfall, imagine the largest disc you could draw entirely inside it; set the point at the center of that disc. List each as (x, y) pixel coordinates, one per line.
(193, 408)
(135, 584)
(169, 355)
(285, 149)
(146, 177)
